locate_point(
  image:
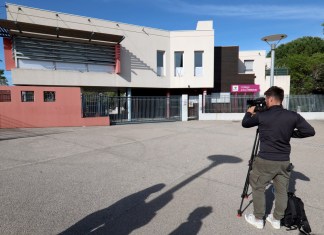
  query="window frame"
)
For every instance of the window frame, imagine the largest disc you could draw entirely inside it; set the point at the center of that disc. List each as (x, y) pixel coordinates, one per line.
(181, 67)
(5, 95)
(249, 69)
(195, 63)
(160, 70)
(29, 96)
(46, 97)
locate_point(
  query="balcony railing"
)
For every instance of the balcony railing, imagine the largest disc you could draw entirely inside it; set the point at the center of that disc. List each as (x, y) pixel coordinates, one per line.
(278, 72)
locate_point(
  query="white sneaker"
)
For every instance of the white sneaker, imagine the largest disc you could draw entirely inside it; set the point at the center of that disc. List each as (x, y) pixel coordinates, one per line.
(258, 223)
(275, 223)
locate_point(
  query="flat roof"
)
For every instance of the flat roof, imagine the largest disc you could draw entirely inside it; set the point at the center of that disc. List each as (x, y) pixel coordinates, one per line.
(19, 28)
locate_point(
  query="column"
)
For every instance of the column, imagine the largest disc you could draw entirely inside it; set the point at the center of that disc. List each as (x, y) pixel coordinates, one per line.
(129, 103)
(184, 108)
(168, 104)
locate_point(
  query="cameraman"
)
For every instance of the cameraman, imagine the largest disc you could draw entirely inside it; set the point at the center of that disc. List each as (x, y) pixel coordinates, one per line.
(276, 126)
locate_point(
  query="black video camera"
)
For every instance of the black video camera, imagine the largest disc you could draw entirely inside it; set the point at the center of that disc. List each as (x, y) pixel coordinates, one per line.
(259, 103)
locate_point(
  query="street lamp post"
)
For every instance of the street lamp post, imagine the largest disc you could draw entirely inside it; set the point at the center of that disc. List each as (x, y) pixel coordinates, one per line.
(274, 40)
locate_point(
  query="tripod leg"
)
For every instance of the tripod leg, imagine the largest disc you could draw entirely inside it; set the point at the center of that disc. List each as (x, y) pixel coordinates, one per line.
(244, 195)
(246, 185)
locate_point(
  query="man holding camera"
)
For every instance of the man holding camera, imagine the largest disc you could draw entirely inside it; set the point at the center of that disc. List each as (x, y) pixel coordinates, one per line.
(276, 126)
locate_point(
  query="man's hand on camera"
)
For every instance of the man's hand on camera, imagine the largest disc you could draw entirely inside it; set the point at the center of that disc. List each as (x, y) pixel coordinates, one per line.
(251, 110)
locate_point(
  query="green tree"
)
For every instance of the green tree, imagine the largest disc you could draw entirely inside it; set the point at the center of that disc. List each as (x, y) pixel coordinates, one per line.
(300, 73)
(304, 57)
(317, 63)
(3, 79)
(305, 45)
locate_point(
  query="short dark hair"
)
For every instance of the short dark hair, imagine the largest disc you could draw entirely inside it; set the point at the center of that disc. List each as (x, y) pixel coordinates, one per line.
(276, 92)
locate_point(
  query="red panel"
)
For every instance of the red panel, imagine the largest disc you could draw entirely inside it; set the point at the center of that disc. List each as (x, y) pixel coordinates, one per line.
(117, 58)
(65, 111)
(9, 60)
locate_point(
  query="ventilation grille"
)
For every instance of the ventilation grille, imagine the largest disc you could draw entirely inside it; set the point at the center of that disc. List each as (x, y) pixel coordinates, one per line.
(62, 51)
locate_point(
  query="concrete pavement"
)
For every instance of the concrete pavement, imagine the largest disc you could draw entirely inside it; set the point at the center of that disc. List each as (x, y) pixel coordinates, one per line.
(160, 178)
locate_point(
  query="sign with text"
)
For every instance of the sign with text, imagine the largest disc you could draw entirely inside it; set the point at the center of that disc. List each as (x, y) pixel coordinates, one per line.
(244, 88)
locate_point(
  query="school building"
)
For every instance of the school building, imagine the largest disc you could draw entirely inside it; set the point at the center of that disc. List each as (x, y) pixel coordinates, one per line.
(56, 57)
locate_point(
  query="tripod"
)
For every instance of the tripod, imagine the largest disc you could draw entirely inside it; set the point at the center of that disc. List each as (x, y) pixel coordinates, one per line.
(246, 185)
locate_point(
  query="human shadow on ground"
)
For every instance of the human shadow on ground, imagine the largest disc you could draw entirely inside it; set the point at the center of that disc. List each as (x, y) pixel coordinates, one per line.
(92, 223)
(133, 212)
(194, 222)
(294, 176)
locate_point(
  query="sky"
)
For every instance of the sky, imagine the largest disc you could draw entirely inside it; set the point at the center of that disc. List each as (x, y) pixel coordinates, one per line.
(236, 22)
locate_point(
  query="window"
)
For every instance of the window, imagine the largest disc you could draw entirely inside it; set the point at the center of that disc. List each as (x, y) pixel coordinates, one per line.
(160, 63)
(27, 96)
(248, 65)
(198, 63)
(5, 96)
(71, 66)
(178, 62)
(49, 96)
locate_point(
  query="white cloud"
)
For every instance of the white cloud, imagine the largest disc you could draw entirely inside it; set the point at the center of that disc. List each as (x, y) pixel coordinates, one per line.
(255, 11)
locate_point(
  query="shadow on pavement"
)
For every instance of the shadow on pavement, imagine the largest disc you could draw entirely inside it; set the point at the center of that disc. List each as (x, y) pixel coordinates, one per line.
(294, 176)
(133, 212)
(194, 222)
(11, 134)
(97, 221)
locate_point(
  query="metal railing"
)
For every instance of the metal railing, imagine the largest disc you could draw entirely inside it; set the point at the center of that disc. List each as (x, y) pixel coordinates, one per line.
(237, 104)
(305, 103)
(132, 109)
(226, 104)
(278, 72)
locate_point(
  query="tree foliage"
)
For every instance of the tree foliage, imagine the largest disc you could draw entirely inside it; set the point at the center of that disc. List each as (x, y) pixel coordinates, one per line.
(3, 79)
(304, 57)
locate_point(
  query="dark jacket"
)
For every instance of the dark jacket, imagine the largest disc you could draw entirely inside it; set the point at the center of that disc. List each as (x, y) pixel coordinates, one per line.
(276, 127)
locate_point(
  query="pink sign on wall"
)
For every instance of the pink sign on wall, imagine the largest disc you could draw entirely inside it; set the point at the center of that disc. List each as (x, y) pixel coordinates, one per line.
(242, 88)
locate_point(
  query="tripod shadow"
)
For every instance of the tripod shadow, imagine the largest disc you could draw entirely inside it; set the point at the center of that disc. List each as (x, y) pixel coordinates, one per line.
(194, 222)
(295, 175)
(133, 212)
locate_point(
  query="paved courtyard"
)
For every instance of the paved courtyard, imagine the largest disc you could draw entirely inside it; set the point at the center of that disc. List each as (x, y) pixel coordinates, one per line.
(162, 178)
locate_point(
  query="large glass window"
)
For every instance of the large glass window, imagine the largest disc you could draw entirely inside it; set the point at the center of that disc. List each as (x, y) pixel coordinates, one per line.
(198, 63)
(178, 62)
(160, 63)
(248, 65)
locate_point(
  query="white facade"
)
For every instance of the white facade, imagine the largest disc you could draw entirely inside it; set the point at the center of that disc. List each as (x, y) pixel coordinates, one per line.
(260, 65)
(138, 54)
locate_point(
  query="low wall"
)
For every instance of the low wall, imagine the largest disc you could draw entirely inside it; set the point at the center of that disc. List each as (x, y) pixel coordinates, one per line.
(64, 110)
(239, 116)
(221, 116)
(312, 115)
